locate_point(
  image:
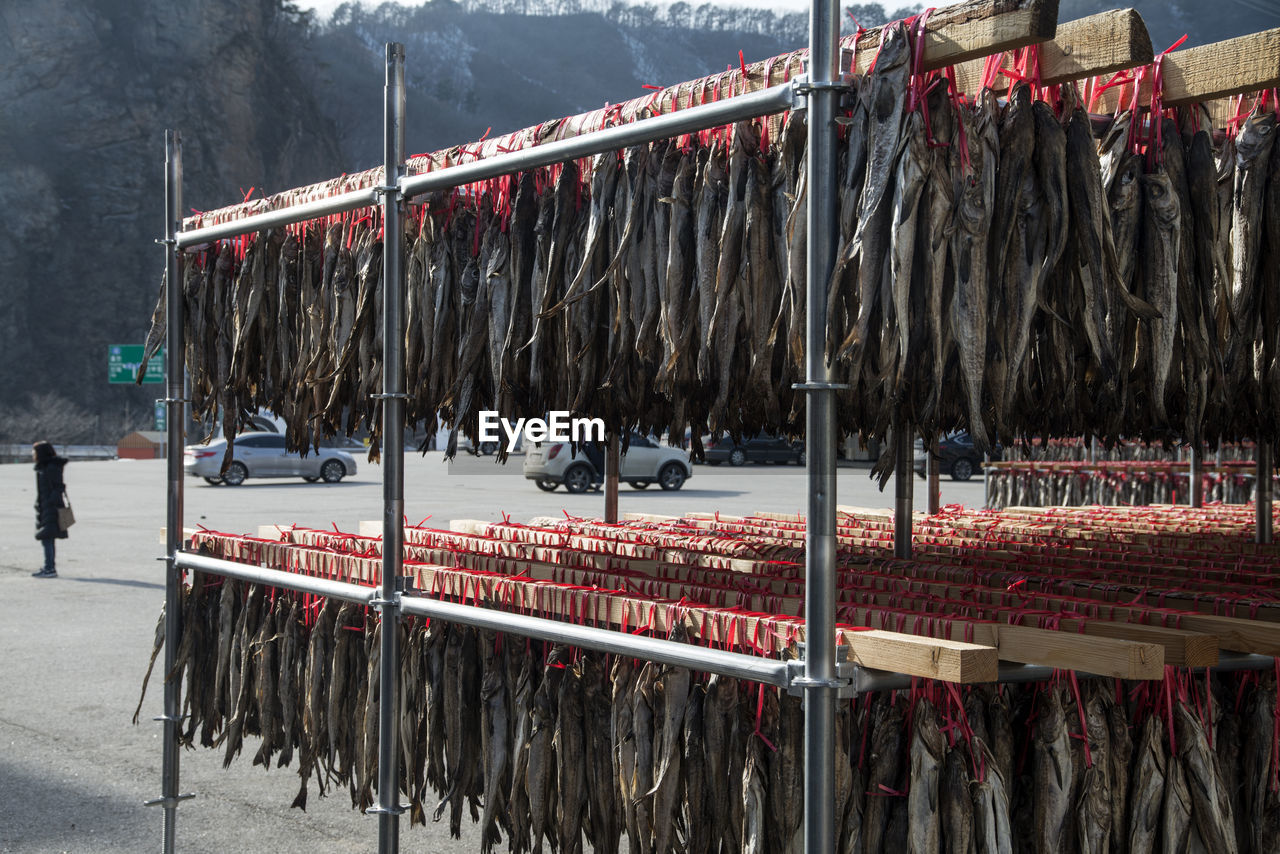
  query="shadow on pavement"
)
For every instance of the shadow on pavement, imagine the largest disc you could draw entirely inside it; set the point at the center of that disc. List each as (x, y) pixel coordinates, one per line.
(82, 814)
(121, 582)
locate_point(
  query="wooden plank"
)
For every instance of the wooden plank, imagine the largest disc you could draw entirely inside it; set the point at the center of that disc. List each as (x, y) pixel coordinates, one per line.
(1236, 634)
(977, 28)
(1088, 47)
(1182, 648)
(1207, 72)
(1108, 656)
(931, 658)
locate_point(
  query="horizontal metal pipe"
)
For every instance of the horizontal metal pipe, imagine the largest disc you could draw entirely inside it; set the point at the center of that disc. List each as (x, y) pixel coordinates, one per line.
(732, 664)
(340, 203)
(1229, 661)
(278, 578)
(762, 103)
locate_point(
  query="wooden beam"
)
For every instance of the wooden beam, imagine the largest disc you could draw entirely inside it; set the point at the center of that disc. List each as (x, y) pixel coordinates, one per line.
(1088, 47)
(931, 658)
(1233, 67)
(976, 28)
(1108, 657)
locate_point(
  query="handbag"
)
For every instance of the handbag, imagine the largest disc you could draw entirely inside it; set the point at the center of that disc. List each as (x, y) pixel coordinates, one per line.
(66, 518)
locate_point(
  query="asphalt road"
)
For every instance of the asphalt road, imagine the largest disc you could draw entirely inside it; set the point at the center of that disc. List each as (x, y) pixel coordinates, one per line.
(74, 771)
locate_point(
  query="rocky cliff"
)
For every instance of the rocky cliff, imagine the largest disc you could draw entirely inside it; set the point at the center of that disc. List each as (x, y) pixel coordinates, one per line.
(87, 88)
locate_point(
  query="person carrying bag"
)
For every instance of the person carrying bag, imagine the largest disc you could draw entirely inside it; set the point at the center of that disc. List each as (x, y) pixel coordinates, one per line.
(53, 515)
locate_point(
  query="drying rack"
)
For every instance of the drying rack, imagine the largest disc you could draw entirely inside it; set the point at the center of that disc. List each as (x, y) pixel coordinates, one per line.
(813, 80)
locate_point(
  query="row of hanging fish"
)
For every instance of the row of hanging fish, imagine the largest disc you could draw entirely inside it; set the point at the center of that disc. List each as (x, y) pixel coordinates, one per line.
(1020, 486)
(999, 270)
(553, 749)
(1078, 450)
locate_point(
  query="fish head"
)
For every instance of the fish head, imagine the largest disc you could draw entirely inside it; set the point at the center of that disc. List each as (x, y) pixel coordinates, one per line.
(1124, 193)
(1255, 135)
(1159, 195)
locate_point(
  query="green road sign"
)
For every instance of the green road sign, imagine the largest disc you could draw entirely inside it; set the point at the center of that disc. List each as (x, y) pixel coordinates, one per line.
(160, 415)
(123, 361)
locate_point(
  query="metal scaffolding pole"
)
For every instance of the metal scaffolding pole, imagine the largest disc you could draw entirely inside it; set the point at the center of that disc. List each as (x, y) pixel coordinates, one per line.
(393, 396)
(1263, 503)
(1195, 478)
(612, 461)
(820, 669)
(932, 479)
(903, 488)
(175, 367)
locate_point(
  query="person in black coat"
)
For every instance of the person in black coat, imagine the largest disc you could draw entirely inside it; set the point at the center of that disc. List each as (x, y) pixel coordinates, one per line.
(49, 499)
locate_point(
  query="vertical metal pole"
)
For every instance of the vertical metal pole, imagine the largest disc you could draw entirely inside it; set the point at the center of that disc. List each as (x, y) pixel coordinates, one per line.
(820, 438)
(175, 366)
(931, 475)
(1195, 490)
(393, 403)
(986, 481)
(903, 489)
(1263, 515)
(611, 463)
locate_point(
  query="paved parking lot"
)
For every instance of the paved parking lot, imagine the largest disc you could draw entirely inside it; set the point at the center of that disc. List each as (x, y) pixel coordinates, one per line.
(73, 770)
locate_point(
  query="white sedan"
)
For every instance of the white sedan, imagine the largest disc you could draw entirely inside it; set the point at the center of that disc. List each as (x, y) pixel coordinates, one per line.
(263, 455)
(550, 464)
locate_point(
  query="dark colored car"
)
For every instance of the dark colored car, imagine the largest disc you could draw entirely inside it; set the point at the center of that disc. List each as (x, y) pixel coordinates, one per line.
(957, 457)
(757, 449)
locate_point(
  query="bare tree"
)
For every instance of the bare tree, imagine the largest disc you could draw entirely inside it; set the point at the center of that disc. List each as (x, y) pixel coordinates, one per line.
(59, 419)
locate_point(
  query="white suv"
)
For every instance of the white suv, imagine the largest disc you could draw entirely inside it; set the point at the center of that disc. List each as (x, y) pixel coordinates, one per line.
(550, 464)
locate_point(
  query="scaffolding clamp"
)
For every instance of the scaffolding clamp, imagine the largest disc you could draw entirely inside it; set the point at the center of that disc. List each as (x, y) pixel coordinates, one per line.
(376, 810)
(844, 683)
(169, 802)
(176, 719)
(820, 386)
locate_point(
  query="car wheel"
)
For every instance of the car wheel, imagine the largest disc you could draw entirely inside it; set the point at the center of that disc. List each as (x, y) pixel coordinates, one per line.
(235, 474)
(737, 457)
(800, 458)
(639, 484)
(961, 469)
(577, 478)
(332, 471)
(488, 449)
(213, 481)
(671, 477)
(309, 479)
(547, 485)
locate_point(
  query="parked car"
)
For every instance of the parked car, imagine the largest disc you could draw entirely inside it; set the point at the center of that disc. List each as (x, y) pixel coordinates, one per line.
(263, 455)
(957, 456)
(549, 464)
(757, 449)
